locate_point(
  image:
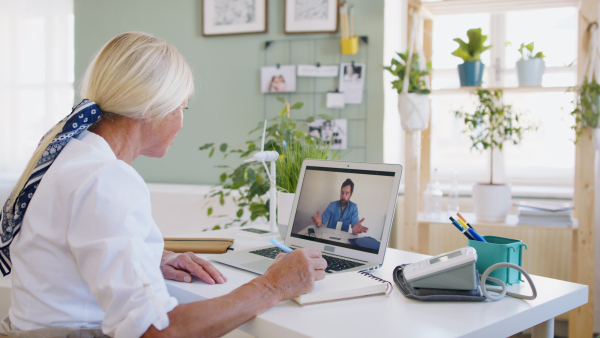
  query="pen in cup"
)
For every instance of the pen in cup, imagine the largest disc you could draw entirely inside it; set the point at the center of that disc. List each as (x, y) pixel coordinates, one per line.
(475, 236)
(461, 229)
(464, 220)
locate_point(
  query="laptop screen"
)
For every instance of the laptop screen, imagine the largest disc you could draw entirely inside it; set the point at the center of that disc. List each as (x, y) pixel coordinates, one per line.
(343, 207)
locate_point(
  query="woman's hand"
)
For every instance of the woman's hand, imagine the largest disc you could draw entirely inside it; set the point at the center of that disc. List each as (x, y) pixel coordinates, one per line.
(295, 273)
(179, 267)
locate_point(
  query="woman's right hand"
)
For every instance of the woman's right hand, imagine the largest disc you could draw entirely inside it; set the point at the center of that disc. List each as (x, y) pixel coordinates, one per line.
(295, 273)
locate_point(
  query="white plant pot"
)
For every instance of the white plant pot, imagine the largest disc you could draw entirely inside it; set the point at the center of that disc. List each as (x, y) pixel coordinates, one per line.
(285, 202)
(414, 111)
(491, 202)
(596, 138)
(530, 72)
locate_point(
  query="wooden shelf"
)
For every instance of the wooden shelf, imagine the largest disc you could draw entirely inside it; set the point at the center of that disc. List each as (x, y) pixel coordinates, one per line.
(506, 90)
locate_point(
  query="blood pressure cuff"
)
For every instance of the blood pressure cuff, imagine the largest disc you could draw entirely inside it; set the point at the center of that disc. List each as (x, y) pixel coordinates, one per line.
(435, 294)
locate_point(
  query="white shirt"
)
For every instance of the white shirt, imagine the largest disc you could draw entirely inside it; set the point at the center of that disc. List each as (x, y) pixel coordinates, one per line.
(89, 252)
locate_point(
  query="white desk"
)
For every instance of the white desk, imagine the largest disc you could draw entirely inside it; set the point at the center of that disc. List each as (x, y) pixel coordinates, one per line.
(394, 315)
(324, 232)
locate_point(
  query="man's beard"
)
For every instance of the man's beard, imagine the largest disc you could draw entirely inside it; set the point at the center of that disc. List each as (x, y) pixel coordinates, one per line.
(343, 203)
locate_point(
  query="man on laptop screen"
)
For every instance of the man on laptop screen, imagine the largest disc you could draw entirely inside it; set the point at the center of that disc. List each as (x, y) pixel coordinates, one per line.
(344, 226)
(342, 212)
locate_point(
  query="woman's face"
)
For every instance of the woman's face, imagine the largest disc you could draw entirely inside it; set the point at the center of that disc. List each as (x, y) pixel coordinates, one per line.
(160, 135)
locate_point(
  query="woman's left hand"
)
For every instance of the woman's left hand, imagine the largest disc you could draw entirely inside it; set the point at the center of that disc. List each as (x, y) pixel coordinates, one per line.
(179, 267)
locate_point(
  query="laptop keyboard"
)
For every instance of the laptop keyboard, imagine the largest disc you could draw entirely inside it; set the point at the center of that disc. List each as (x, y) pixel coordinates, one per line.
(333, 263)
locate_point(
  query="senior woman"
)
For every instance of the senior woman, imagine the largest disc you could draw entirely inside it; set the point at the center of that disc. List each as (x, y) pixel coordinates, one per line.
(86, 255)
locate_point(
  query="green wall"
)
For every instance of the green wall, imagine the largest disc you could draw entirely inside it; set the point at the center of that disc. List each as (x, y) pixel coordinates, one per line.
(228, 102)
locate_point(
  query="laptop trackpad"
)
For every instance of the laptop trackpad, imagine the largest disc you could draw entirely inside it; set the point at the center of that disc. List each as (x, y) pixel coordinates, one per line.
(260, 265)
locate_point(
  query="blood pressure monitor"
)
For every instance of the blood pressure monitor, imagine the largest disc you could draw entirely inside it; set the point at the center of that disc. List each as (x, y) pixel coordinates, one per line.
(453, 270)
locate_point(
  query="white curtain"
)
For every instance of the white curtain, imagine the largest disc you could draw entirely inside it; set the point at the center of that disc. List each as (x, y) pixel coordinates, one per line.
(36, 77)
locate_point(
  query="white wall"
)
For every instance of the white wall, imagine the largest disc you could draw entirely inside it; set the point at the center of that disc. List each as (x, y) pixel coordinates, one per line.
(394, 40)
(371, 195)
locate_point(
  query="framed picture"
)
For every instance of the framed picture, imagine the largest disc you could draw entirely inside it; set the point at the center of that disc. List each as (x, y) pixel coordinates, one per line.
(311, 16)
(229, 17)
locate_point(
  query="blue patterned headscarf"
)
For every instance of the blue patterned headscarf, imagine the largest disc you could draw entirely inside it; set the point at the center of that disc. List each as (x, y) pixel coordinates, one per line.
(81, 118)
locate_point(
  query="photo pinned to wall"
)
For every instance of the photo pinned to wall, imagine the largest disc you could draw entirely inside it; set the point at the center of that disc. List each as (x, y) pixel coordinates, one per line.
(352, 82)
(334, 131)
(311, 16)
(278, 79)
(318, 70)
(229, 17)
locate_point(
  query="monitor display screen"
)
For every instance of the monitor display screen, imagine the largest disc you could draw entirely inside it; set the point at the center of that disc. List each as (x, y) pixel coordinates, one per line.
(343, 207)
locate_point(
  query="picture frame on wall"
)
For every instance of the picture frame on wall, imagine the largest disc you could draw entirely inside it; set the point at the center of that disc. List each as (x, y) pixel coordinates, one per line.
(232, 17)
(311, 16)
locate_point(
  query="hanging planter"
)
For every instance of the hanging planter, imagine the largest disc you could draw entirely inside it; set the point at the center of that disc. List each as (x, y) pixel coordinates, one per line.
(412, 84)
(596, 137)
(587, 93)
(470, 72)
(414, 111)
(530, 68)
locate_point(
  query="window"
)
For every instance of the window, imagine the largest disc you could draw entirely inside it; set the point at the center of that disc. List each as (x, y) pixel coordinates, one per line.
(545, 157)
(36, 76)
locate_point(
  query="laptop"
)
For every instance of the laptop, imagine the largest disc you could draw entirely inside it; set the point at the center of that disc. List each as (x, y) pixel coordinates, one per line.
(323, 186)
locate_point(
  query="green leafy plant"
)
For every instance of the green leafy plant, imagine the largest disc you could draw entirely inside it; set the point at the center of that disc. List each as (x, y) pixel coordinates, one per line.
(416, 81)
(526, 51)
(471, 51)
(247, 184)
(492, 124)
(587, 106)
(290, 162)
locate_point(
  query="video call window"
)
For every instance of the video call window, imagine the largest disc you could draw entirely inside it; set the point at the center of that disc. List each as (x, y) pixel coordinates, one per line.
(364, 199)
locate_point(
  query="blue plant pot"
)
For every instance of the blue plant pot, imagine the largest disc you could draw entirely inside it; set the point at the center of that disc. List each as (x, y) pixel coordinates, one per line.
(470, 73)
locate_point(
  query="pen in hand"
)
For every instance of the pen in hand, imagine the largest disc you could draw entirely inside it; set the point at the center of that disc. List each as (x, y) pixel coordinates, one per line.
(280, 245)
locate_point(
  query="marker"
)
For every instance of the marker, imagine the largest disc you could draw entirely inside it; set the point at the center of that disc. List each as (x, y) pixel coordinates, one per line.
(461, 229)
(464, 220)
(280, 245)
(461, 222)
(476, 235)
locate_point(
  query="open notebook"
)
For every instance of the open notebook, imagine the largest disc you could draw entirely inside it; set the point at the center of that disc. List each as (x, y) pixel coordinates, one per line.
(348, 285)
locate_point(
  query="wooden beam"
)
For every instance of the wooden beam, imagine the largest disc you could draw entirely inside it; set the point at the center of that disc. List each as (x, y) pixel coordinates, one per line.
(426, 134)
(581, 320)
(411, 190)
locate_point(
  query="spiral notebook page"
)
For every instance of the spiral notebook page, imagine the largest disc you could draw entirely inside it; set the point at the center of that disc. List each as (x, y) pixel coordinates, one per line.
(345, 286)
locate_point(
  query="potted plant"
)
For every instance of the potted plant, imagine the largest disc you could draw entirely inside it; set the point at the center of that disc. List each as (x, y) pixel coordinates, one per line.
(288, 172)
(530, 68)
(247, 184)
(587, 109)
(413, 98)
(491, 125)
(471, 71)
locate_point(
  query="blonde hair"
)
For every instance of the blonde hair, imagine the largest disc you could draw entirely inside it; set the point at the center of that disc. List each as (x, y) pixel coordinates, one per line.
(135, 75)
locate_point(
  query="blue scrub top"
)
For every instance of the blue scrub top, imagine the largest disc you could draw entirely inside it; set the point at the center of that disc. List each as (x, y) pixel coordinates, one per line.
(334, 214)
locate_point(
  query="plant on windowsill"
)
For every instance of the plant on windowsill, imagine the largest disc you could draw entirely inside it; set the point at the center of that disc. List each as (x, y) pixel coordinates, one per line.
(471, 71)
(413, 98)
(531, 67)
(247, 184)
(491, 125)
